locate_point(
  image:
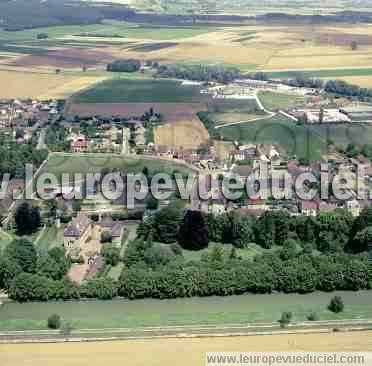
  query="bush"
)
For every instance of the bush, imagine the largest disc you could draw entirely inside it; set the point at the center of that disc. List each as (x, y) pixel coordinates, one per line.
(106, 236)
(111, 254)
(54, 321)
(336, 305)
(130, 65)
(286, 319)
(313, 317)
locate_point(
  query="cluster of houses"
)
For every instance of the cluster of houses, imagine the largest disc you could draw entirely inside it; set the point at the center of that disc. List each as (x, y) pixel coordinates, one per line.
(83, 236)
(106, 134)
(105, 139)
(277, 168)
(16, 112)
(18, 118)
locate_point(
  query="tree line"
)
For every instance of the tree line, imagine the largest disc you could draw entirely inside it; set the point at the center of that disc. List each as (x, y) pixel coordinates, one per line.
(199, 73)
(130, 65)
(14, 157)
(326, 253)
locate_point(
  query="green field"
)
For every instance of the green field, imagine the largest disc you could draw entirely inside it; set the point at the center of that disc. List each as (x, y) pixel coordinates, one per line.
(320, 73)
(94, 163)
(4, 240)
(50, 237)
(343, 134)
(192, 311)
(125, 90)
(295, 140)
(113, 28)
(275, 101)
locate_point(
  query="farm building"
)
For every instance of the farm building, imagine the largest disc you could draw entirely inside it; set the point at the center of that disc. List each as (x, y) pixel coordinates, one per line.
(314, 115)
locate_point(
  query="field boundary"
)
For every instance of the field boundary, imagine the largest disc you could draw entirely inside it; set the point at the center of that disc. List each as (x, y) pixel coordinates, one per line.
(168, 332)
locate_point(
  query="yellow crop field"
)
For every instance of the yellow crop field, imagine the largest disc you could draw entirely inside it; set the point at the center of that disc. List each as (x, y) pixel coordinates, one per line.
(168, 352)
(71, 87)
(268, 47)
(188, 134)
(21, 84)
(362, 81)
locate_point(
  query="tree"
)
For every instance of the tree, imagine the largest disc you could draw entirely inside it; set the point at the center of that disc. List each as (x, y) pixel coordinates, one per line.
(76, 205)
(321, 115)
(152, 203)
(54, 321)
(8, 271)
(313, 316)
(166, 225)
(52, 206)
(106, 236)
(102, 288)
(27, 219)
(130, 65)
(354, 45)
(42, 36)
(362, 240)
(336, 305)
(23, 253)
(285, 319)
(272, 229)
(289, 250)
(193, 233)
(111, 254)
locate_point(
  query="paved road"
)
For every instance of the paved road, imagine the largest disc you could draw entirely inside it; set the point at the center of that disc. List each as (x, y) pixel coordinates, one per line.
(41, 145)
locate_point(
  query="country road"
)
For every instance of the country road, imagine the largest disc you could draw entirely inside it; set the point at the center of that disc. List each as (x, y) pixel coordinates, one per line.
(269, 114)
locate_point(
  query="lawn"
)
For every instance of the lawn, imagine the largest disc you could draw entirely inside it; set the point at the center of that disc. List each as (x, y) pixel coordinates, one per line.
(114, 28)
(4, 239)
(224, 118)
(131, 90)
(211, 310)
(295, 140)
(343, 134)
(50, 237)
(94, 163)
(275, 101)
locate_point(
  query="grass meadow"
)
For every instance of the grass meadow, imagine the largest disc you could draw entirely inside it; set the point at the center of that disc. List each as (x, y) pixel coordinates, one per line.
(94, 163)
(114, 28)
(295, 140)
(131, 90)
(191, 311)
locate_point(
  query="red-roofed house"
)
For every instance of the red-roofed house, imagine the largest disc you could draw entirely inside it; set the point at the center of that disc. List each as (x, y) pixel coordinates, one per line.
(309, 208)
(79, 145)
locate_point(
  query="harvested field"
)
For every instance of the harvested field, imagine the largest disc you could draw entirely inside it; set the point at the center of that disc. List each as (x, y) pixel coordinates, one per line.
(67, 58)
(164, 352)
(37, 85)
(149, 47)
(171, 112)
(362, 81)
(344, 39)
(71, 87)
(187, 134)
